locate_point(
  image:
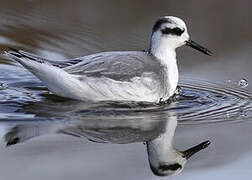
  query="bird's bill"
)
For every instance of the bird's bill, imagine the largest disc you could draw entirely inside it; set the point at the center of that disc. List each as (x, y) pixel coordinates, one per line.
(189, 152)
(200, 48)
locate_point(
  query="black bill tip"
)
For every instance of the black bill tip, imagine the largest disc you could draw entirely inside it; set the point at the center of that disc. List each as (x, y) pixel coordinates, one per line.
(200, 48)
(188, 153)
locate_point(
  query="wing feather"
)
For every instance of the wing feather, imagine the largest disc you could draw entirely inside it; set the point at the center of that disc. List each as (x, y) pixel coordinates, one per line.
(60, 64)
(115, 65)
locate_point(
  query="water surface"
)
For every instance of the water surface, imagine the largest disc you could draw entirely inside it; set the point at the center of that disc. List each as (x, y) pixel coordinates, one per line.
(65, 139)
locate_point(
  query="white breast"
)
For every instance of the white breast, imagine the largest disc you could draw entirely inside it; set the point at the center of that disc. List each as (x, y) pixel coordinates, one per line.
(172, 77)
(164, 50)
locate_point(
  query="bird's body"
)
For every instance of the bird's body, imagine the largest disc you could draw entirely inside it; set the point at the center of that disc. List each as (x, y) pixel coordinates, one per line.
(106, 76)
(124, 75)
(117, 75)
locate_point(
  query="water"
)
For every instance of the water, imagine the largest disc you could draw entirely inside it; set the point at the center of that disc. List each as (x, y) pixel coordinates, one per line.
(243, 83)
(59, 138)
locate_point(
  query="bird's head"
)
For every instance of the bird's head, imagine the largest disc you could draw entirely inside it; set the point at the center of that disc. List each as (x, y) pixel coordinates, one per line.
(170, 32)
(170, 161)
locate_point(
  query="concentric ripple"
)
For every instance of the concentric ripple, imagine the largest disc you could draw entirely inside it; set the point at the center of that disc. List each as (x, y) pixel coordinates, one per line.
(208, 102)
(23, 96)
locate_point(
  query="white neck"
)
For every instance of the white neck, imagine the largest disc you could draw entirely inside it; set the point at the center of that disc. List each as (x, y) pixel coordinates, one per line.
(165, 140)
(162, 146)
(164, 54)
(163, 49)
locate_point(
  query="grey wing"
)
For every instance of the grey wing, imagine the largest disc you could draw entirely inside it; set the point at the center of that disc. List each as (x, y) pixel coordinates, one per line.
(117, 65)
(60, 64)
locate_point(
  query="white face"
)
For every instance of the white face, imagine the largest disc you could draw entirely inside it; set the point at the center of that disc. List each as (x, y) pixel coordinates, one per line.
(169, 32)
(171, 164)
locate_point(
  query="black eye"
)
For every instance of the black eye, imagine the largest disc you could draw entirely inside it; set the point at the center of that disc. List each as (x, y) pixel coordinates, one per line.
(172, 167)
(174, 31)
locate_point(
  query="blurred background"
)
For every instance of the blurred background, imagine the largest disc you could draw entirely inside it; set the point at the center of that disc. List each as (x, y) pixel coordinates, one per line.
(76, 28)
(61, 29)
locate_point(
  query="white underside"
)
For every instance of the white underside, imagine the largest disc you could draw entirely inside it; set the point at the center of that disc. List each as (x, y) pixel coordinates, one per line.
(64, 84)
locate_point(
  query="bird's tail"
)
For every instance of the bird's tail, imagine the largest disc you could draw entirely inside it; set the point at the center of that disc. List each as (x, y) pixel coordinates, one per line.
(40, 67)
(24, 132)
(29, 61)
(21, 55)
(20, 133)
(55, 78)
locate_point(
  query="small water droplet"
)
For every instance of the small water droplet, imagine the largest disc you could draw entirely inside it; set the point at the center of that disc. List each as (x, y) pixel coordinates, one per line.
(3, 86)
(243, 83)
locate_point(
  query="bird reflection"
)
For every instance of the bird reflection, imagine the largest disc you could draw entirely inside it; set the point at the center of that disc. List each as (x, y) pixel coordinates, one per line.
(164, 159)
(151, 125)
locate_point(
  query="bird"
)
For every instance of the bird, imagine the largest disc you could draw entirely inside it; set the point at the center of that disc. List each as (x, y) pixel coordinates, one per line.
(164, 158)
(158, 136)
(145, 76)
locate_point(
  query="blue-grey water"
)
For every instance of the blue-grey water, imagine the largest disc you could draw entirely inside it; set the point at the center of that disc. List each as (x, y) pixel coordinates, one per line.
(57, 138)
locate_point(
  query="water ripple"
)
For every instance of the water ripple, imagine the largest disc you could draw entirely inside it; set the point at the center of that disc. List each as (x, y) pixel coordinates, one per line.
(200, 102)
(213, 102)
